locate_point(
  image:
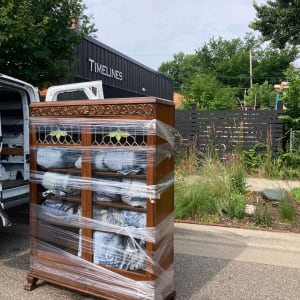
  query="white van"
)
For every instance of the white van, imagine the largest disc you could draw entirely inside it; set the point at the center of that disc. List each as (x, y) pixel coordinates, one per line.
(15, 98)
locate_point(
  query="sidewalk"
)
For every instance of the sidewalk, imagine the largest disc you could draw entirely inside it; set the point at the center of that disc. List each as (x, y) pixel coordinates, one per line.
(259, 184)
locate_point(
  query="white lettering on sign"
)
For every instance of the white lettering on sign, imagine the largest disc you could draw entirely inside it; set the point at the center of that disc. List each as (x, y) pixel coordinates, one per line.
(104, 70)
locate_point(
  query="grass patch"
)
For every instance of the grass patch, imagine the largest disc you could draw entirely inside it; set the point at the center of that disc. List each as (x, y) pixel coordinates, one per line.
(208, 191)
(203, 193)
(287, 211)
(295, 192)
(263, 216)
(236, 206)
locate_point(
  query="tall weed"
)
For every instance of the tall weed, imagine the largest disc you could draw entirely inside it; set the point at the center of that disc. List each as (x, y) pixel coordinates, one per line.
(236, 206)
(296, 193)
(205, 193)
(263, 216)
(287, 211)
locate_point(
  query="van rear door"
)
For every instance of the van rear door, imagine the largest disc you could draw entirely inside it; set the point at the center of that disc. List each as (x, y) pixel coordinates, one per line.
(91, 90)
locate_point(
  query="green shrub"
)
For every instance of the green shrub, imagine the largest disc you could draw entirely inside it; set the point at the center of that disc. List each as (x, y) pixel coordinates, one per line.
(290, 159)
(263, 216)
(254, 158)
(236, 206)
(238, 180)
(287, 166)
(206, 193)
(287, 211)
(296, 193)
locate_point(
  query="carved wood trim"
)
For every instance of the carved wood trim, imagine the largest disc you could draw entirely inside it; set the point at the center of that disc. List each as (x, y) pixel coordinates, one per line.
(93, 110)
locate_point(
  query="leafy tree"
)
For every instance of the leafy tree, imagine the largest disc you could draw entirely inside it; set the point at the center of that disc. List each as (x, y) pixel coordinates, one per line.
(37, 43)
(182, 69)
(209, 93)
(271, 63)
(262, 95)
(291, 100)
(278, 21)
(228, 61)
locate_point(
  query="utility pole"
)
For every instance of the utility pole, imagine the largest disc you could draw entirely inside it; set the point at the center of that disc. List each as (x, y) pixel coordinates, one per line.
(250, 63)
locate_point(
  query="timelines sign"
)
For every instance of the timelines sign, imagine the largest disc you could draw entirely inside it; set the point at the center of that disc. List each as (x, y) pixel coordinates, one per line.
(97, 67)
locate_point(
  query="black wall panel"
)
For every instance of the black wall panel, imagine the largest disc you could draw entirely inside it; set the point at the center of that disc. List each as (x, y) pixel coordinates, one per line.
(121, 75)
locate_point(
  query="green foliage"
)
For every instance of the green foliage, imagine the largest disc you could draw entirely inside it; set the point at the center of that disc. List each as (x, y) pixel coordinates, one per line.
(278, 21)
(194, 200)
(271, 63)
(227, 60)
(287, 165)
(236, 206)
(211, 94)
(287, 211)
(296, 193)
(263, 216)
(254, 158)
(182, 69)
(37, 44)
(217, 75)
(261, 95)
(186, 160)
(261, 161)
(238, 180)
(290, 159)
(280, 169)
(206, 193)
(208, 188)
(291, 100)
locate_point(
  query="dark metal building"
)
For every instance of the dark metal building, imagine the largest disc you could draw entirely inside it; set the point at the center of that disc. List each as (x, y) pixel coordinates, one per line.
(121, 75)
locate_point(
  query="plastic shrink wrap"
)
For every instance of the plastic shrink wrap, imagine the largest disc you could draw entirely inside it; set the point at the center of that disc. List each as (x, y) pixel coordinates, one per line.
(121, 253)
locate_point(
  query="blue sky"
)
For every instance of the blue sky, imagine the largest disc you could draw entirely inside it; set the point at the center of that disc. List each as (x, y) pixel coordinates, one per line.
(151, 31)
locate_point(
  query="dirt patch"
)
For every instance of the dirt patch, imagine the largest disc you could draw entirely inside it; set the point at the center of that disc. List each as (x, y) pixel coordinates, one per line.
(268, 215)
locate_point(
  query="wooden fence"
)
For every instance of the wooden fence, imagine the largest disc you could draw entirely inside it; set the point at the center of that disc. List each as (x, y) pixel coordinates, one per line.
(225, 130)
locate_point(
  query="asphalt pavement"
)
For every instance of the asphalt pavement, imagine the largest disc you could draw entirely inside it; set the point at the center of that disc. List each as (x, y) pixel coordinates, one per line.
(236, 264)
(211, 263)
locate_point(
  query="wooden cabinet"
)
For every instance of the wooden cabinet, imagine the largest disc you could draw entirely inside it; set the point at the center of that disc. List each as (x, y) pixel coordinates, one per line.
(101, 188)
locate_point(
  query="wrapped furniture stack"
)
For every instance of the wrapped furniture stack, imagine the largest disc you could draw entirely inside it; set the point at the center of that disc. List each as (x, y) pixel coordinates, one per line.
(102, 197)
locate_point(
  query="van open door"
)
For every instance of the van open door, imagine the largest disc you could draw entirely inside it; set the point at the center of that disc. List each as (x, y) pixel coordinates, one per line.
(15, 98)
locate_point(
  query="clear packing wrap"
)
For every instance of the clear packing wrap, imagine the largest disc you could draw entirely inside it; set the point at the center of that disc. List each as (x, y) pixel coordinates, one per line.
(119, 153)
(122, 161)
(54, 235)
(105, 188)
(108, 132)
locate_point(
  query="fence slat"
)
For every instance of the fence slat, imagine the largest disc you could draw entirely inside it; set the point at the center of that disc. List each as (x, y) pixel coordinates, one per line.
(230, 128)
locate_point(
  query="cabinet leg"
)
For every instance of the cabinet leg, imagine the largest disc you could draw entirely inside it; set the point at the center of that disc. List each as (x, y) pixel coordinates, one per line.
(31, 283)
(172, 296)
